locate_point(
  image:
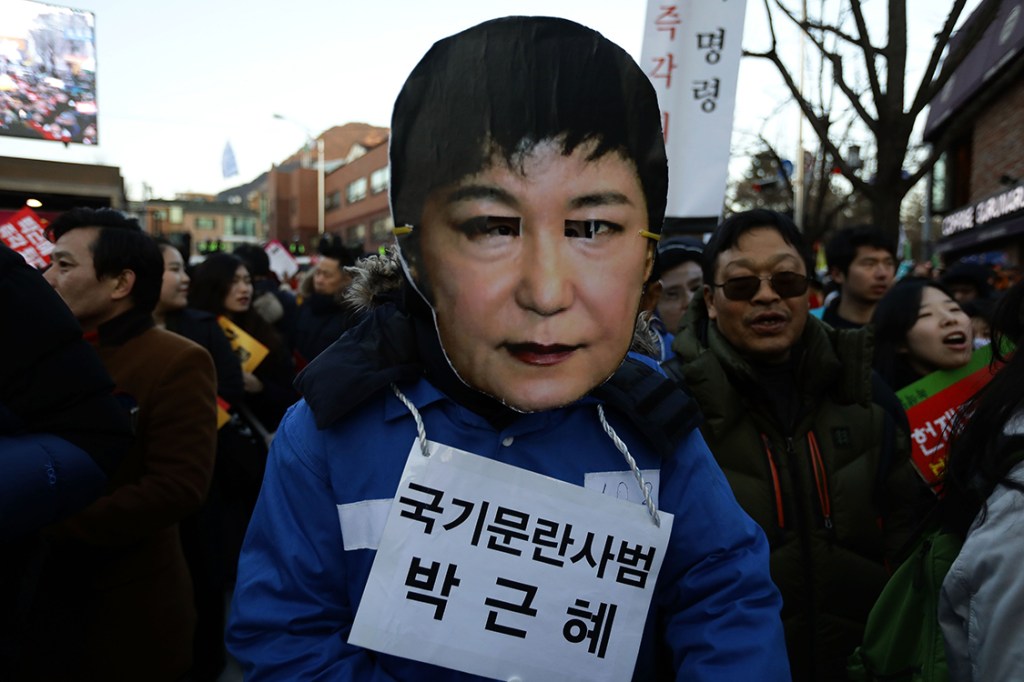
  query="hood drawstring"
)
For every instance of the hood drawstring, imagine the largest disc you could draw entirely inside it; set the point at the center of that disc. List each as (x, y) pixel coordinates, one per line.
(632, 465)
(421, 437)
(421, 432)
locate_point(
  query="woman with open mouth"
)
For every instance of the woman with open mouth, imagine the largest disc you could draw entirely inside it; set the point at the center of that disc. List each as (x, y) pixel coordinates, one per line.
(919, 329)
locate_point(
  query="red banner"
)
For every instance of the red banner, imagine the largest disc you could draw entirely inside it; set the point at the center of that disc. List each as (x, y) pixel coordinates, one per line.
(932, 404)
(24, 232)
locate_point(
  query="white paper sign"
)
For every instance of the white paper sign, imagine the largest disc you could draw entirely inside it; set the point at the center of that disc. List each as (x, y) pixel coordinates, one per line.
(282, 263)
(691, 53)
(622, 485)
(501, 572)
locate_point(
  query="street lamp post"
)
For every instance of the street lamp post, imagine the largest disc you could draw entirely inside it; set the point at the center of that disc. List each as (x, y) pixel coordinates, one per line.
(319, 169)
(320, 199)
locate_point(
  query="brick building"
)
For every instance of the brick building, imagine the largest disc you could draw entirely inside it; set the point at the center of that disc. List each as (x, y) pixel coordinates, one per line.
(199, 223)
(355, 191)
(357, 198)
(978, 184)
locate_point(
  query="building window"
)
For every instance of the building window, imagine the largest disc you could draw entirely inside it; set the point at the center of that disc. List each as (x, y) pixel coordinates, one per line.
(177, 215)
(381, 228)
(333, 200)
(355, 236)
(379, 180)
(942, 199)
(206, 223)
(245, 227)
(356, 191)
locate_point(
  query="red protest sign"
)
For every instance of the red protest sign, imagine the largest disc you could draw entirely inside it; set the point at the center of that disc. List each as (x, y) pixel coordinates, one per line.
(24, 233)
(931, 405)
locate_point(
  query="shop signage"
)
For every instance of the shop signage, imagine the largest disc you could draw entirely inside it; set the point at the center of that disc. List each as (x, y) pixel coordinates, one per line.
(996, 207)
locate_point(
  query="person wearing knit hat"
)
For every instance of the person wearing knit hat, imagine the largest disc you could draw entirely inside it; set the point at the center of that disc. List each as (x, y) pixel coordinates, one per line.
(677, 273)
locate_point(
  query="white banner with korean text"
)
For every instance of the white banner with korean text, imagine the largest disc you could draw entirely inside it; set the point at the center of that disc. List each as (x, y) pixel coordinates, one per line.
(501, 572)
(691, 52)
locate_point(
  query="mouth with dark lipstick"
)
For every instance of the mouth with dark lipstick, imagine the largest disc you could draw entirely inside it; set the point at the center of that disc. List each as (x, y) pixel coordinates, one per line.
(768, 323)
(540, 354)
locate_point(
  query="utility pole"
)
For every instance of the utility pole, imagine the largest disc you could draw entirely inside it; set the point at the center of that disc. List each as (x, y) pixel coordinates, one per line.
(319, 168)
(800, 188)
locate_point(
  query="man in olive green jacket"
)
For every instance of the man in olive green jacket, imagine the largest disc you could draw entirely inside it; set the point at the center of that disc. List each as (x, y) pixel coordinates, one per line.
(812, 443)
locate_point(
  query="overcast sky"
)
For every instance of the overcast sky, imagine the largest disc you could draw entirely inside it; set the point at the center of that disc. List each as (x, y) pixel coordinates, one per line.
(177, 80)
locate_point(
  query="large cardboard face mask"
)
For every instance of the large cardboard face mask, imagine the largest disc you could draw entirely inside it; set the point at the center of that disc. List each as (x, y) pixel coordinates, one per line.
(536, 274)
(528, 198)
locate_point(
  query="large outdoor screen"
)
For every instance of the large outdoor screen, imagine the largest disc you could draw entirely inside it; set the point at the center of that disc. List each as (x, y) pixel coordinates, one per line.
(47, 72)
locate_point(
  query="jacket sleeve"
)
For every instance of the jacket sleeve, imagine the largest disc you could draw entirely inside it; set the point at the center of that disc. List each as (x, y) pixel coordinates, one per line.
(291, 614)
(51, 380)
(720, 607)
(179, 435)
(983, 595)
(45, 479)
(62, 432)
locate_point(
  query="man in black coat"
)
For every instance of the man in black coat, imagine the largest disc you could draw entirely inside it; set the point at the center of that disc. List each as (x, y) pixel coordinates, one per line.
(323, 315)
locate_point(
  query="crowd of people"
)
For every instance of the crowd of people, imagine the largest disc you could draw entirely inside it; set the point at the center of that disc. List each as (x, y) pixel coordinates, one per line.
(125, 501)
(408, 468)
(48, 104)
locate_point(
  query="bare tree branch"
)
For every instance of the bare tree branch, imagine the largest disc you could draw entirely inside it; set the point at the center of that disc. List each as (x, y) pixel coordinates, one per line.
(896, 64)
(836, 60)
(833, 30)
(867, 49)
(878, 102)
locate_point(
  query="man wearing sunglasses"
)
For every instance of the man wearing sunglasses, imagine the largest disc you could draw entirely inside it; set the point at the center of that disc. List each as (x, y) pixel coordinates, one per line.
(812, 443)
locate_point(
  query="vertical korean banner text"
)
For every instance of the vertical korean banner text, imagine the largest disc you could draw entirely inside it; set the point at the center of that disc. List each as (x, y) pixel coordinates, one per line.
(691, 53)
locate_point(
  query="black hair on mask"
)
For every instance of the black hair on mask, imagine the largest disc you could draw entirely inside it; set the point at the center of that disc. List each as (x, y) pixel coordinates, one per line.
(502, 87)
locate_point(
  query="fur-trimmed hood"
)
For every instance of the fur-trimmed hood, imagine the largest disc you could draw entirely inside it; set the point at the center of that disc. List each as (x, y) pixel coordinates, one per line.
(395, 343)
(375, 279)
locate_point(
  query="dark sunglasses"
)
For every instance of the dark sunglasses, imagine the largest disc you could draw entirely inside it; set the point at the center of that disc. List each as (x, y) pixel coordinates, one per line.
(785, 284)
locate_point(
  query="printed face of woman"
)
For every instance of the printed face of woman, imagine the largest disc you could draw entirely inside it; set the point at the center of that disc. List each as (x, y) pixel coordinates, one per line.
(174, 290)
(536, 272)
(942, 337)
(239, 296)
